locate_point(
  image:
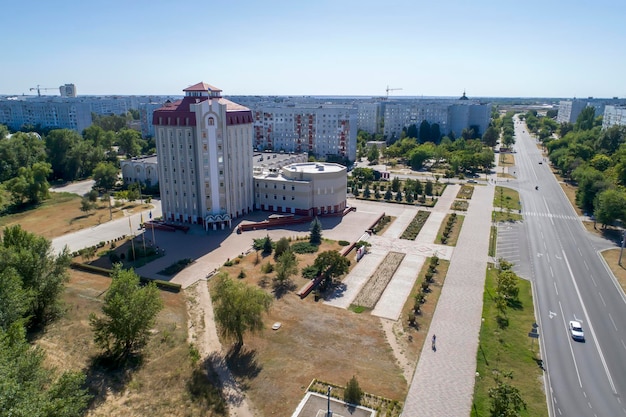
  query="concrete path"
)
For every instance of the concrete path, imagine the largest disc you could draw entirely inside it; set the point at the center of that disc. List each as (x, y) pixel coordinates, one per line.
(443, 384)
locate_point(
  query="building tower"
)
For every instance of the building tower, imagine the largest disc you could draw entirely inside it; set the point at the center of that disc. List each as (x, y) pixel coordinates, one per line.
(204, 153)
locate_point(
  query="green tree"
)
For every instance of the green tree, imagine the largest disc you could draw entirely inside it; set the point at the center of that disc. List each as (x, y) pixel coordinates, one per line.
(86, 205)
(424, 132)
(411, 131)
(435, 132)
(315, 237)
(363, 174)
(585, 120)
(31, 389)
(130, 311)
(130, 142)
(610, 206)
(21, 150)
(507, 286)
(373, 154)
(506, 400)
(428, 188)
(388, 196)
(31, 184)
(14, 300)
(105, 175)
(286, 267)
(491, 136)
(399, 196)
(331, 264)
(395, 184)
(42, 273)
(353, 393)
(282, 246)
(366, 192)
(267, 245)
(418, 156)
(99, 137)
(238, 307)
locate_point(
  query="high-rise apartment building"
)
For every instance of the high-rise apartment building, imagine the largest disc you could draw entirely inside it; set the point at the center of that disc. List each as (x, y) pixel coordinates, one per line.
(614, 115)
(569, 110)
(323, 130)
(204, 152)
(46, 112)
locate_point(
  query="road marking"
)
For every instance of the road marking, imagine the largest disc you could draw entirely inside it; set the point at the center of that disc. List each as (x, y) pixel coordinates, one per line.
(602, 298)
(586, 266)
(623, 344)
(555, 290)
(593, 280)
(551, 272)
(571, 349)
(545, 246)
(552, 314)
(613, 321)
(593, 333)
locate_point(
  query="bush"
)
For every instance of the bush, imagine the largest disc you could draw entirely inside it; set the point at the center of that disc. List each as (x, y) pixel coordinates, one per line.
(343, 243)
(228, 263)
(310, 272)
(241, 275)
(304, 247)
(267, 268)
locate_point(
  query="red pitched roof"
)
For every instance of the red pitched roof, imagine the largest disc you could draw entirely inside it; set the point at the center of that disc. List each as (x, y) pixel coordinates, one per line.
(202, 87)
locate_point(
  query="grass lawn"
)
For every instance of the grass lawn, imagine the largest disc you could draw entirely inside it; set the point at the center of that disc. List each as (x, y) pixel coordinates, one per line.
(509, 350)
(314, 341)
(166, 383)
(61, 214)
(504, 216)
(506, 199)
(454, 232)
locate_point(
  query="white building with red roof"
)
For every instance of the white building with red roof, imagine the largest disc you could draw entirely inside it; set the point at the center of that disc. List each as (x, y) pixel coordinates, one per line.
(204, 150)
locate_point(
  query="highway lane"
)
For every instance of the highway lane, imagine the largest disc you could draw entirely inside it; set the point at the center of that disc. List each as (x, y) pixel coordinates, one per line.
(571, 281)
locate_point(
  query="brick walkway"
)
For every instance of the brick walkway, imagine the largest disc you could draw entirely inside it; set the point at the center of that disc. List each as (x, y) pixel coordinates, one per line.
(443, 384)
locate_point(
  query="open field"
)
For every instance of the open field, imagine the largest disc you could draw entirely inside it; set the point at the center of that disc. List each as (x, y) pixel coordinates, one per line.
(165, 383)
(61, 214)
(509, 350)
(314, 341)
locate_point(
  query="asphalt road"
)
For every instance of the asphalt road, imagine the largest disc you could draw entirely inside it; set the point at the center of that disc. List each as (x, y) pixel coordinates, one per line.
(571, 281)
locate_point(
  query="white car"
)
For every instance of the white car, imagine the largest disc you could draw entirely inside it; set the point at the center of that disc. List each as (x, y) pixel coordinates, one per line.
(576, 330)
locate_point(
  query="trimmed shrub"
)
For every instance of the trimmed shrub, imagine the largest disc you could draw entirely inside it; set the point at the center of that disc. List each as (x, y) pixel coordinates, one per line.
(304, 247)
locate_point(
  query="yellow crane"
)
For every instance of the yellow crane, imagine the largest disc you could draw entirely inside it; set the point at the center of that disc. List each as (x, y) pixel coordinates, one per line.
(391, 89)
(40, 88)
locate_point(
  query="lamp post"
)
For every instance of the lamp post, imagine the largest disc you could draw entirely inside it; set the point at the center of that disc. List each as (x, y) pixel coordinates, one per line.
(329, 413)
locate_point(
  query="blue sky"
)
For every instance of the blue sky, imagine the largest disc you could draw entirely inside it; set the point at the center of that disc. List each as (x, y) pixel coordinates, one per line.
(554, 48)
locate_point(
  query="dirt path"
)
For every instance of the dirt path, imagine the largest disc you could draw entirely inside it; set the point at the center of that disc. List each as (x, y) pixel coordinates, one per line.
(404, 362)
(203, 334)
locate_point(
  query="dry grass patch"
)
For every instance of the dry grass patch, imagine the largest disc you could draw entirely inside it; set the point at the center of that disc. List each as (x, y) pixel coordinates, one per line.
(61, 215)
(465, 192)
(314, 341)
(611, 257)
(507, 159)
(461, 205)
(157, 386)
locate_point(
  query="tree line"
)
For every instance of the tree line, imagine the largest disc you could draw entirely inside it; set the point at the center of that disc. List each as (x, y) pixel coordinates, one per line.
(590, 157)
(29, 160)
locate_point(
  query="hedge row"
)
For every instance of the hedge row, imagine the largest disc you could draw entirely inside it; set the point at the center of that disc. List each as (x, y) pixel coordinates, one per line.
(163, 285)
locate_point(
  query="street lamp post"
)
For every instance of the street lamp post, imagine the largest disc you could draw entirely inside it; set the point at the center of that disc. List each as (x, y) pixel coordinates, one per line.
(329, 413)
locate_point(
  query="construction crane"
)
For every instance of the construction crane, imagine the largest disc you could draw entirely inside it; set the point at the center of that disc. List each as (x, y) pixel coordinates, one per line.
(391, 89)
(39, 88)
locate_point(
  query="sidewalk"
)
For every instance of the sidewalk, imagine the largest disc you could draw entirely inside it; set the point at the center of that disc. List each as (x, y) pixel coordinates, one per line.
(443, 384)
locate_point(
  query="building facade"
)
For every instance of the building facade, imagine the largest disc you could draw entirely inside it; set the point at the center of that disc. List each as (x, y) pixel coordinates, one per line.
(308, 189)
(325, 130)
(569, 110)
(614, 115)
(204, 154)
(46, 112)
(142, 169)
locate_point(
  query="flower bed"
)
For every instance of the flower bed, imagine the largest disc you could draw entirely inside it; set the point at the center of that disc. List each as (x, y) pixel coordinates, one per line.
(413, 229)
(461, 205)
(376, 284)
(465, 192)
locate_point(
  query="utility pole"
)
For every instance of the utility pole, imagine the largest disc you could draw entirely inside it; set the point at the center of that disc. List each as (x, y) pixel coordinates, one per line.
(329, 413)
